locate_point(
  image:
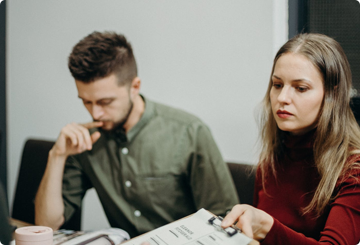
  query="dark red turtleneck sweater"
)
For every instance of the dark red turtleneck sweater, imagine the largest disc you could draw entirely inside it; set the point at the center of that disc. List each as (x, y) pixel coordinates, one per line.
(293, 189)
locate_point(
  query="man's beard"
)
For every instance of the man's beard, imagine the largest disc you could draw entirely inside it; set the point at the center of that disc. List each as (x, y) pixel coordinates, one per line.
(124, 120)
(120, 124)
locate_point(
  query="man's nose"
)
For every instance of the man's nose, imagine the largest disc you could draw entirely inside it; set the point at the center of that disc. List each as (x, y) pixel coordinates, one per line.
(97, 112)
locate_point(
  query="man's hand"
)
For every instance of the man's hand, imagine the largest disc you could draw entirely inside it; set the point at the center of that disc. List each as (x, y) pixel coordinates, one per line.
(75, 138)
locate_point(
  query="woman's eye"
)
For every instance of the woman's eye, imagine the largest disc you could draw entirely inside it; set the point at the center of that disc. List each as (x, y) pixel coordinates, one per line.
(302, 89)
(277, 85)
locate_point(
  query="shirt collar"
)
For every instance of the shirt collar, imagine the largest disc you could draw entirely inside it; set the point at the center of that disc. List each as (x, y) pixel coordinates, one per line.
(145, 118)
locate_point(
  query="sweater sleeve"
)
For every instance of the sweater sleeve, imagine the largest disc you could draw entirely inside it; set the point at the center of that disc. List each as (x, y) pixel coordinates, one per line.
(257, 187)
(342, 225)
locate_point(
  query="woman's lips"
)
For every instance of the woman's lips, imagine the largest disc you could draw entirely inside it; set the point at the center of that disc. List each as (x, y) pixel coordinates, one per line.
(283, 114)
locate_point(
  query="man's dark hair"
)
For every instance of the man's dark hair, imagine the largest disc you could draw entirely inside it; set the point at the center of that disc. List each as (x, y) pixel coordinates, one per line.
(98, 55)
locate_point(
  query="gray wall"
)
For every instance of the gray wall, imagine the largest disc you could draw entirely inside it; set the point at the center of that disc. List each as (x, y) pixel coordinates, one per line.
(211, 58)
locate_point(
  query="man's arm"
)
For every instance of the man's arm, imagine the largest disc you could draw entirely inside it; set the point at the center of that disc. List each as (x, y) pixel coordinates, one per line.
(212, 185)
(49, 205)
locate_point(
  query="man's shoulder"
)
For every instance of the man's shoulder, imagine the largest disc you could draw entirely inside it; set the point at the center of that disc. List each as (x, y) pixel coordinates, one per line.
(174, 114)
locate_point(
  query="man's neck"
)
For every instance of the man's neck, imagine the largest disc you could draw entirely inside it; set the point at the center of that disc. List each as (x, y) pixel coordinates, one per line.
(135, 114)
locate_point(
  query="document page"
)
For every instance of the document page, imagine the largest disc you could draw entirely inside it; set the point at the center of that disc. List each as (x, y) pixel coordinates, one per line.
(192, 230)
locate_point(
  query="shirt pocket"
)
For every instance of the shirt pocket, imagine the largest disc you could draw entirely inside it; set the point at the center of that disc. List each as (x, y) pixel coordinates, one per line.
(167, 191)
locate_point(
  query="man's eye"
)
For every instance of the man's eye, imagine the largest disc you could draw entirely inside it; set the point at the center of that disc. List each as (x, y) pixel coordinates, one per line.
(105, 102)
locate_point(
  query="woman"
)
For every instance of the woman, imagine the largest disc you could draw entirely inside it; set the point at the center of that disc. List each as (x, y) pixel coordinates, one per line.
(308, 178)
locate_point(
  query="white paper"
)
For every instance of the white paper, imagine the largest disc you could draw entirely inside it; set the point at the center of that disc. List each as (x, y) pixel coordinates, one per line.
(193, 230)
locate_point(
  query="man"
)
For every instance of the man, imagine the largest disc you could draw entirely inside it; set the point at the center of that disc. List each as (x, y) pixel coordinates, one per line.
(150, 164)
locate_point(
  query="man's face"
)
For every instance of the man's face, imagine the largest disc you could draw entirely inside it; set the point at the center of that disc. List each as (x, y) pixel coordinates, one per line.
(106, 101)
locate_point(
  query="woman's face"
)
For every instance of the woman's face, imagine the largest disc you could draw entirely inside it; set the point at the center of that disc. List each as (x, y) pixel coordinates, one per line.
(297, 93)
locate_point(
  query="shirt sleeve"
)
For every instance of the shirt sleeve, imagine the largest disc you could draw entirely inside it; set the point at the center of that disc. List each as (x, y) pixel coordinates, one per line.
(211, 183)
(342, 225)
(75, 185)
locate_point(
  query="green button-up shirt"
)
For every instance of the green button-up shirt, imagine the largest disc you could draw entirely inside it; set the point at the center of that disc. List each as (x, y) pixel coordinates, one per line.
(166, 167)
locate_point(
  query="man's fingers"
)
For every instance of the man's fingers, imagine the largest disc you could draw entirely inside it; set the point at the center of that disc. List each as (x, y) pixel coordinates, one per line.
(90, 125)
(85, 134)
(71, 138)
(76, 138)
(80, 134)
(95, 136)
(70, 135)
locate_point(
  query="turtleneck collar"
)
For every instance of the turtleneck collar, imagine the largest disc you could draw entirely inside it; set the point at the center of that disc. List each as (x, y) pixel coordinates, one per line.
(299, 146)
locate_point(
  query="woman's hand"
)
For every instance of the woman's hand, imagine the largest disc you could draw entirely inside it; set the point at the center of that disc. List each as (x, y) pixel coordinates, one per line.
(253, 222)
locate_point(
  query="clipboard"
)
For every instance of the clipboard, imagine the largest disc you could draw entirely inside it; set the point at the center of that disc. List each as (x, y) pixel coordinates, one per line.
(202, 227)
(216, 222)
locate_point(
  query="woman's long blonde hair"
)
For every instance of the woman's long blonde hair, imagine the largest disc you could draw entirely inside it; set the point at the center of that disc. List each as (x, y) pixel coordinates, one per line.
(337, 132)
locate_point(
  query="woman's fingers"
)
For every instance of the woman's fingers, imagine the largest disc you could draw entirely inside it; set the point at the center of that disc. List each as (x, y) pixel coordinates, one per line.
(245, 224)
(233, 216)
(241, 215)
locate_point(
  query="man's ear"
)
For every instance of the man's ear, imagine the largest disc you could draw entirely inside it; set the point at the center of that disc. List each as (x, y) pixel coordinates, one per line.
(135, 86)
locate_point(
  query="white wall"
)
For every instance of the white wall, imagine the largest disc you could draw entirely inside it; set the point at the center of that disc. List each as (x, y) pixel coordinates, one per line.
(211, 58)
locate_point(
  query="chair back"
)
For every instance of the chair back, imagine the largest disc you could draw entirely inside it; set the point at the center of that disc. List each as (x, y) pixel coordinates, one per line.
(244, 179)
(32, 168)
(5, 229)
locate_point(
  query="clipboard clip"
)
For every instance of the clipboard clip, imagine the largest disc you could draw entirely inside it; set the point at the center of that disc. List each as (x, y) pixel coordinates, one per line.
(216, 222)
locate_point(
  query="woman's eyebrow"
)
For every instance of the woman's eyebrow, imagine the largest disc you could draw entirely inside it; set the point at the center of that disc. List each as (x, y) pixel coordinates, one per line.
(276, 77)
(295, 80)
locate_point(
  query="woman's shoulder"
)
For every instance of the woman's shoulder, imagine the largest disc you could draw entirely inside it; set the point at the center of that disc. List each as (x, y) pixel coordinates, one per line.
(351, 175)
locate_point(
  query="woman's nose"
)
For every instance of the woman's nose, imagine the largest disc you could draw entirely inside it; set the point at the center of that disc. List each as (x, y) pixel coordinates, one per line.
(285, 95)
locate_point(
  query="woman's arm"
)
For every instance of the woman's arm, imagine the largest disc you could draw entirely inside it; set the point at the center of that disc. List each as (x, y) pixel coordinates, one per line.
(342, 225)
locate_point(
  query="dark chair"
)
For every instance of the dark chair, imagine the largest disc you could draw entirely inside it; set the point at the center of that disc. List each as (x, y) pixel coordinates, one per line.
(5, 229)
(32, 168)
(244, 180)
(355, 106)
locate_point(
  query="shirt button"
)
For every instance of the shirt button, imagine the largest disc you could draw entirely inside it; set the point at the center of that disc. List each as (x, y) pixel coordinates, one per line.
(128, 183)
(125, 151)
(137, 213)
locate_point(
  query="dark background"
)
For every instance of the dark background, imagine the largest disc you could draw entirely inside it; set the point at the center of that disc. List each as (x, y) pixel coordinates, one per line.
(339, 19)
